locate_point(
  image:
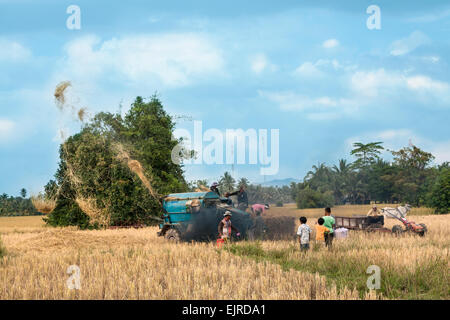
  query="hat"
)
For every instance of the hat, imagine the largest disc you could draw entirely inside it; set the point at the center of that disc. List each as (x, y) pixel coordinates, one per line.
(214, 184)
(227, 213)
(266, 206)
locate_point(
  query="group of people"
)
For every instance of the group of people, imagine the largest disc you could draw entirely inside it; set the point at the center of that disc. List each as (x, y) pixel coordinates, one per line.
(225, 227)
(324, 229)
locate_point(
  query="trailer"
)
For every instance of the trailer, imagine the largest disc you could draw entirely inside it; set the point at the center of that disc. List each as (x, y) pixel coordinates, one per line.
(359, 222)
(376, 224)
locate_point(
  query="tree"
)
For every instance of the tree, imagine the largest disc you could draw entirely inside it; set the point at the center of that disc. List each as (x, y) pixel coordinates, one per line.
(366, 153)
(440, 193)
(341, 180)
(103, 166)
(243, 182)
(227, 182)
(23, 193)
(309, 198)
(51, 189)
(412, 170)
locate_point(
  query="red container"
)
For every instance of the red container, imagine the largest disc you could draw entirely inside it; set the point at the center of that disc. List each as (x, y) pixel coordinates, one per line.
(220, 242)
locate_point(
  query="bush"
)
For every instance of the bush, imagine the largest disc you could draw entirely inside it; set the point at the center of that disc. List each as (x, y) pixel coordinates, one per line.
(440, 194)
(279, 204)
(309, 198)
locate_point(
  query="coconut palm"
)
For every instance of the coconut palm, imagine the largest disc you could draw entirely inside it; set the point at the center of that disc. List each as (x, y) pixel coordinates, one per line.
(227, 182)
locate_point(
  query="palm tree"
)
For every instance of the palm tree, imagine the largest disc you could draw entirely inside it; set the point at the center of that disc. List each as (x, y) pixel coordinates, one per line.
(340, 181)
(319, 177)
(227, 182)
(243, 182)
(366, 153)
(343, 168)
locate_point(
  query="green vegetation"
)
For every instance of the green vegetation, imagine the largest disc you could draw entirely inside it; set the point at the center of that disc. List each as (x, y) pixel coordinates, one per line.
(95, 172)
(344, 269)
(309, 198)
(408, 178)
(440, 199)
(16, 206)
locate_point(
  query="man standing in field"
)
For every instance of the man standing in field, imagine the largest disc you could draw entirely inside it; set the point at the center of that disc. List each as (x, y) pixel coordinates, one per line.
(225, 227)
(241, 197)
(329, 222)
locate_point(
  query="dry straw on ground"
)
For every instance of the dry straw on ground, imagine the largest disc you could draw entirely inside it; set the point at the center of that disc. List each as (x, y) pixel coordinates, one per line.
(135, 264)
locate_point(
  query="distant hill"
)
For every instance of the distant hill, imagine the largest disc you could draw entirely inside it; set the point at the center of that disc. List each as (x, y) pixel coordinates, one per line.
(279, 182)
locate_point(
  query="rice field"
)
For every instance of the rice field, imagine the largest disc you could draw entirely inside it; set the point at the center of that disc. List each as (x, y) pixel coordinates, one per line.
(136, 264)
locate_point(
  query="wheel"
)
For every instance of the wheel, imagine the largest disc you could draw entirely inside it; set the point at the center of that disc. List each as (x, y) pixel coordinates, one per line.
(397, 229)
(172, 235)
(425, 230)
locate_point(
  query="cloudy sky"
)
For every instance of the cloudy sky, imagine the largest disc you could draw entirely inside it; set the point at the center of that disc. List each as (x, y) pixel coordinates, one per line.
(311, 69)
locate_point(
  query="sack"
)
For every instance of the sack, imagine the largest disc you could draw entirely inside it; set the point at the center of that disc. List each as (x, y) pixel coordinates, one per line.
(341, 233)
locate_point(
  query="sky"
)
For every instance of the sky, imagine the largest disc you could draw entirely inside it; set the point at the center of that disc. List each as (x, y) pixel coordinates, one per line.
(311, 69)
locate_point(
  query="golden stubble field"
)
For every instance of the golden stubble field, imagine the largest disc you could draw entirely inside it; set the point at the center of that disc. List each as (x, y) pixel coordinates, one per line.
(136, 264)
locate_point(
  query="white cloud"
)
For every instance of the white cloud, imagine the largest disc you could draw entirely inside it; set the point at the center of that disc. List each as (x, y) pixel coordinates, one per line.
(6, 129)
(426, 83)
(380, 82)
(370, 83)
(321, 67)
(406, 45)
(365, 89)
(432, 59)
(259, 63)
(308, 69)
(12, 51)
(170, 59)
(330, 43)
(316, 108)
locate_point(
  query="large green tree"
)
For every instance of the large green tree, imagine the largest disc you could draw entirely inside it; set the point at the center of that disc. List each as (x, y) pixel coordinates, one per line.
(95, 167)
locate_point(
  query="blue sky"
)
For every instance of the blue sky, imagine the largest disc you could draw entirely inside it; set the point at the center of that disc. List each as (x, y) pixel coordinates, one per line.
(309, 68)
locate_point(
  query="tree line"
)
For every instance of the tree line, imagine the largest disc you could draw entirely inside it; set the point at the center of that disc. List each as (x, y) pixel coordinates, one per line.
(409, 177)
(16, 206)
